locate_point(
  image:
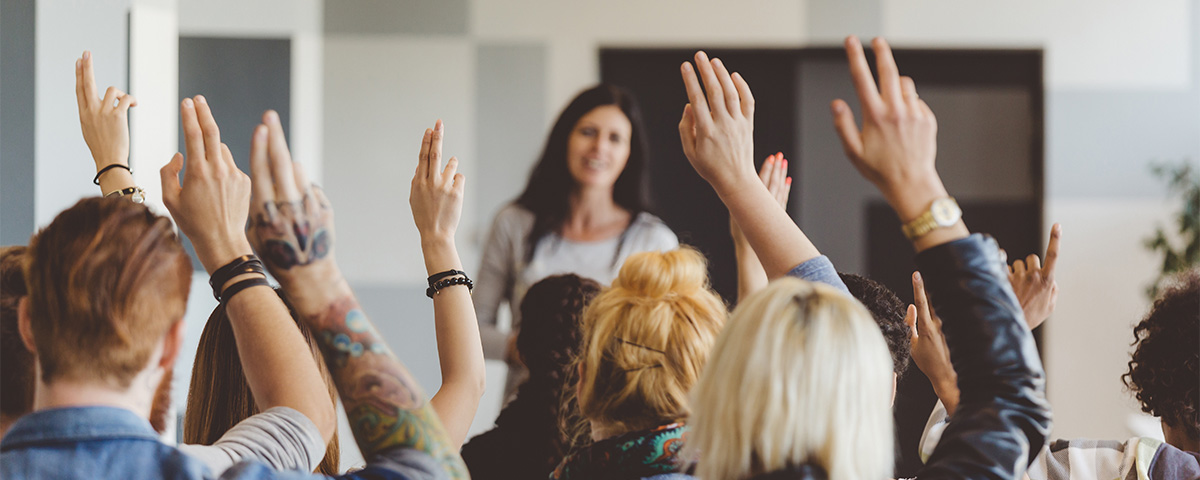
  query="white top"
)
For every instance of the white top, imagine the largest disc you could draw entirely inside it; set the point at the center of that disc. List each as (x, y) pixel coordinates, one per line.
(280, 437)
(504, 275)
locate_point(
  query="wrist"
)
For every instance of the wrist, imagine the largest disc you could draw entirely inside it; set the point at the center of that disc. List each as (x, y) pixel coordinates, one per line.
(440, 255)
(222, 253)
(911, 195)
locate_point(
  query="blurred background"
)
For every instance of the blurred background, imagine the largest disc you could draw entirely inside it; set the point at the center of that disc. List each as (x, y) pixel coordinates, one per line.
(1049, 111)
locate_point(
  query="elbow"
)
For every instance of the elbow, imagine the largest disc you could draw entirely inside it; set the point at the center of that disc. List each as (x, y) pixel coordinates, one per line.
(326, 419)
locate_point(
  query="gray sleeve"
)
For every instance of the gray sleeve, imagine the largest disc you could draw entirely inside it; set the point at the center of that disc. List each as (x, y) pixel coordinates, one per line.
(494, 282)
(819, 270)
(281, 437)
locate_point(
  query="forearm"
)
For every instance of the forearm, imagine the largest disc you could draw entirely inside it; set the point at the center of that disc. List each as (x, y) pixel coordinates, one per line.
(115, 179)
(386, 408)
(778, 242)
(277, 361)
(460, 349)
(750, 273)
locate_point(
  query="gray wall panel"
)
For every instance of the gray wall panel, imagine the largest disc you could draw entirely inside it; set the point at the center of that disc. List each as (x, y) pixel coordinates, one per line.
(17, 121)
(392, 17)
(511, 124)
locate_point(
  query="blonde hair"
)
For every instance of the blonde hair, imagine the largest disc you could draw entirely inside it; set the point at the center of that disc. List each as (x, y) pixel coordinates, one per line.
(645, 340)
(802, 375)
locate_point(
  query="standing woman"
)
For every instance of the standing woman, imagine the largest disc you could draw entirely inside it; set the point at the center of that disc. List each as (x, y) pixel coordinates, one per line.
(583, 211)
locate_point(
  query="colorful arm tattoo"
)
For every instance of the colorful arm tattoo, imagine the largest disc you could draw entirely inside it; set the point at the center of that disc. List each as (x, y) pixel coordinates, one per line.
(386, 407)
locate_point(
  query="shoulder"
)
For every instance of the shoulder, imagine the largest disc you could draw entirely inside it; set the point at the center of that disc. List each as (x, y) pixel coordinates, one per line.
(652, 231)
(512, 221)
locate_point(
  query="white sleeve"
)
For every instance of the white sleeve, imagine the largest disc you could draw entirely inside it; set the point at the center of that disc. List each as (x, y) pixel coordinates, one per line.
(494, 282)
(938, 420)
(281, 438)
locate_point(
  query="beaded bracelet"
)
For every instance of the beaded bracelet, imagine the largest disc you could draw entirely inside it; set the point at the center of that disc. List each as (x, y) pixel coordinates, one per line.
(461, 280)
(448, 273)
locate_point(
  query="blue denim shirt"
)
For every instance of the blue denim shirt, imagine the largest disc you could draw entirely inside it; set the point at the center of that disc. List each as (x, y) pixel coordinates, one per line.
(108, 442)
(819, 270)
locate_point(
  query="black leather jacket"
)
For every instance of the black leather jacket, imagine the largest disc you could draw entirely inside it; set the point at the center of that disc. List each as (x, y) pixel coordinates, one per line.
(1002, 413)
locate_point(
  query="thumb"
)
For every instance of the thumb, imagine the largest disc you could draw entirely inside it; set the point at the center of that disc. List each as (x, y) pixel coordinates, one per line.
(687, 130)
(847, 129)
(170, 179)
(910, 319)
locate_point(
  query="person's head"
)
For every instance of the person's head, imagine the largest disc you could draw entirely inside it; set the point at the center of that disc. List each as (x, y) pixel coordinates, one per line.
(598, 141)
(1165, 365)
(219, 396)
(551, 312)
(645, 341)
(888, 311)
(800, 376)
(16, 376)
(112, 284)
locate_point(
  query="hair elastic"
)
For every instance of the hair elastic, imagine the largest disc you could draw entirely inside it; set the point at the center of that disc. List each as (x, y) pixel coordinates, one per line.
(110, 167)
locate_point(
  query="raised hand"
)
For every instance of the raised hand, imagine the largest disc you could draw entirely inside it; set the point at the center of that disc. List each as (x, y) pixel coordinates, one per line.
(436, 197)
(1034, 283)
(291, 223)
(929, 348)
(213, 201)
(751, 275)
(717, 131)
(897, 145)
(105, 124)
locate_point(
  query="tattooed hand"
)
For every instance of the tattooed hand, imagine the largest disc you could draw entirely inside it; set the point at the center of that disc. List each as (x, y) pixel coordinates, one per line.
(291, 221)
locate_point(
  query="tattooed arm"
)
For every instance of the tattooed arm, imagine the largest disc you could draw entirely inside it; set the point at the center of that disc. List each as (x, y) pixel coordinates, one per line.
(386, 408)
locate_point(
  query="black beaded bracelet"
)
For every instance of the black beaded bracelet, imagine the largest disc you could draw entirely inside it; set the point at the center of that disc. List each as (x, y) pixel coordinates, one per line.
(448, 273)
(110, 167)
(437, 287)
(242, 285)
(240, 265)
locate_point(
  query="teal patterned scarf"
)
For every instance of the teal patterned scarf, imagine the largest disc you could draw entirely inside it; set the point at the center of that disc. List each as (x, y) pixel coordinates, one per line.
(632, 455)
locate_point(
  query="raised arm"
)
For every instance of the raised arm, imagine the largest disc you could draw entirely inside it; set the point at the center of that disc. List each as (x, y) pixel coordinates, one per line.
(460, 351)
(1002, 414)
(211, 208)
(717, 135)
(292, 226)
(105, 125)
(751, 276)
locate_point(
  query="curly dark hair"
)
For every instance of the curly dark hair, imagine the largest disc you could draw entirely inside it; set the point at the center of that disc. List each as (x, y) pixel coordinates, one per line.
(889, 311)
(535, 430)
(1164, 371)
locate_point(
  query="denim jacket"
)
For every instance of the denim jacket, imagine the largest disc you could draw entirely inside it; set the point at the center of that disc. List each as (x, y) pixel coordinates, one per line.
(108, 442)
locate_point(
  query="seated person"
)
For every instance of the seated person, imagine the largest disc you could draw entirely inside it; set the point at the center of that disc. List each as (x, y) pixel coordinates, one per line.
(533, 432)
(645, 342)
(1005, 414)
(1163, 372)
(106, 332)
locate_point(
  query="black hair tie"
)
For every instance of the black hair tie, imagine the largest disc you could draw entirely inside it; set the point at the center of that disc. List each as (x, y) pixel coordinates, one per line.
(110, 167)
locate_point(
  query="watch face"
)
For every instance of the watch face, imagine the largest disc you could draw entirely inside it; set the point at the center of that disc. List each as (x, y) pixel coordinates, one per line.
(945, 212)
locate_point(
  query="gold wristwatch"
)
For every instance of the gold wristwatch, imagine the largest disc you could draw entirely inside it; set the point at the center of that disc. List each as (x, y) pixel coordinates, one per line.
(944, 212)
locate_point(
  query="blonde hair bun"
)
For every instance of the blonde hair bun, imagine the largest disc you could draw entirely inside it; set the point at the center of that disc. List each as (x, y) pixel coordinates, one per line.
(654, 275)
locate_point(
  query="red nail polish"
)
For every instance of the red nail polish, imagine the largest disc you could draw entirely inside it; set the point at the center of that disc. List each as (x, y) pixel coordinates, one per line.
(788, 181)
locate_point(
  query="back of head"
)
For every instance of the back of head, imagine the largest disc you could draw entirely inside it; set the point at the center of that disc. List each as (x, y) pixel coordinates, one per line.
(800, 376)
(16, 376)
(219, 396)
(1165, 365)
(551, 311)
(646, 339)
(112, 278)
(888, 311)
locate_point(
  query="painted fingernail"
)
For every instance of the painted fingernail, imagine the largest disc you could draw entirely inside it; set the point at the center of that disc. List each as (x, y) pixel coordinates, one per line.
(785, 164)
(788, 181)
(187, 102)
(200, 99)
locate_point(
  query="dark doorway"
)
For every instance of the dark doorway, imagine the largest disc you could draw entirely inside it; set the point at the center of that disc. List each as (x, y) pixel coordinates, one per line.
(990, 154)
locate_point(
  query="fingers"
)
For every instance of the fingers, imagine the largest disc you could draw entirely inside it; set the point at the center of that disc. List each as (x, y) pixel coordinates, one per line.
(280, 160)
(699, 105)
(422, 158)
(910, 319)
(89, 79)
(170, 179)
(889, 74)
(451, 169)
(228, 157)
(125, 101)
(924, 312)
(1018, 268)
(732, 102)
(110, 97)
(434, 160)
(210, 133)
(1052, 252)
(716, 94)
(1033, 263)
(80, 98)
(262, 186)
(743, 89)
(787, 192)
(847, 129)
(780, 174)
(192, 135)
(860, 73)
(908, 89)
(765, 173)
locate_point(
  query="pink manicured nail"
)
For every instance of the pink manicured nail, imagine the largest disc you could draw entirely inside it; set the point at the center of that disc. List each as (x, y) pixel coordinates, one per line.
(788, 181)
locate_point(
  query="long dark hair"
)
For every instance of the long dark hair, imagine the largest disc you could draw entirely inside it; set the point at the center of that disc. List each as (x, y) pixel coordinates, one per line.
(548, 192)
